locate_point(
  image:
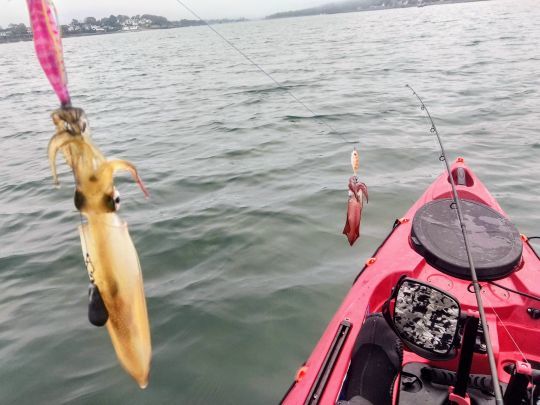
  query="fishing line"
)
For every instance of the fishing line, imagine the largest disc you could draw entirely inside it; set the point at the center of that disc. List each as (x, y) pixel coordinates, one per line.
(87, 261)
(507, 331)
(515, 344)
(474, 278)
(280, 86)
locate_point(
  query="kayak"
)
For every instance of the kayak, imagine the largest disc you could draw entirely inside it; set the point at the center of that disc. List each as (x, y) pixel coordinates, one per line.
(384, 346)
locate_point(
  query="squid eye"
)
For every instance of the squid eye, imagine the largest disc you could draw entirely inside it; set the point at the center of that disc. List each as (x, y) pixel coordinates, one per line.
(79, 200)
(116, 198)
(83, 126)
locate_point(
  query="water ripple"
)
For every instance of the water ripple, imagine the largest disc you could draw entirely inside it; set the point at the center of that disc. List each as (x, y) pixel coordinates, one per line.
(240, 242)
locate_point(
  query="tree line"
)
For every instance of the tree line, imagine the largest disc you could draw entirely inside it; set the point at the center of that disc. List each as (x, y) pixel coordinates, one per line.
(113, 23)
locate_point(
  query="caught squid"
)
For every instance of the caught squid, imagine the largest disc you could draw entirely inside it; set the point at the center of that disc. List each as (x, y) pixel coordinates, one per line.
(111, 258)
(357, 192)
(116, 286)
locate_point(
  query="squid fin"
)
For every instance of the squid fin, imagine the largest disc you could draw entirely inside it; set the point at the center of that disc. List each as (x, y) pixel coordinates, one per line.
(116, 270)
(354, 216)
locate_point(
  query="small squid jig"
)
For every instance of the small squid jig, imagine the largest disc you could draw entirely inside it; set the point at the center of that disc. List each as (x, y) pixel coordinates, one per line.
(357, 192)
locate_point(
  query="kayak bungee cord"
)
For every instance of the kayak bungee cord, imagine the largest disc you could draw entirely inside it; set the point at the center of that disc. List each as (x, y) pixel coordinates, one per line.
(456, 204)
(523, 294)
(116, 293)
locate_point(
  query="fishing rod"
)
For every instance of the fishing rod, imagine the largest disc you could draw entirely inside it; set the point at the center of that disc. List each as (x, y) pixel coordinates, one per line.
(263, 71)
(457, 205)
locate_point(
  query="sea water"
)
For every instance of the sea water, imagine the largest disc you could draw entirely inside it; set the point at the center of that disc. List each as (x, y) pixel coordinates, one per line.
(240, 243)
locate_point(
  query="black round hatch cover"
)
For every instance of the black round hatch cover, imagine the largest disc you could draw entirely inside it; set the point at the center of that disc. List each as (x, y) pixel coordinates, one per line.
(496, 243)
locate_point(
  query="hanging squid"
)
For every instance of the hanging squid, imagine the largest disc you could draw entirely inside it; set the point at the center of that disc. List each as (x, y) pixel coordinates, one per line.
(110, 256)
(116, 295)
(357, 192)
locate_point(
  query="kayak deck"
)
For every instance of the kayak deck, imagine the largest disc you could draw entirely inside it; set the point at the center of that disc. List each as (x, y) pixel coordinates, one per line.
(514, 333)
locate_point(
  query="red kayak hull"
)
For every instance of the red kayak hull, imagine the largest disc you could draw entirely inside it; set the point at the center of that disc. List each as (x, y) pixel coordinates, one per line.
(513, 332)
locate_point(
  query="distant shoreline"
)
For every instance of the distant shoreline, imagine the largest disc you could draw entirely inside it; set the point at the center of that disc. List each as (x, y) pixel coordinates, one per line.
(359, 6)
(20, 33)
(29, 37)
(107, 25)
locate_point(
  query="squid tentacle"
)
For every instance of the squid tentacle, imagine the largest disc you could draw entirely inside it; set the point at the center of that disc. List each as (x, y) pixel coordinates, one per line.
(56, 142)
(109, 168)
(363, 188)
(73, 154)
(356, 187)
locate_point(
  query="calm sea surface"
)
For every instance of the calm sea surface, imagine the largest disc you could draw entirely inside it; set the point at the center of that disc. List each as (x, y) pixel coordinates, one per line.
(240, 243)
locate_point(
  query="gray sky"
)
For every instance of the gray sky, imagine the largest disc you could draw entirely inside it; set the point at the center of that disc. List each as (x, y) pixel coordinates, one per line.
(14, 11)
